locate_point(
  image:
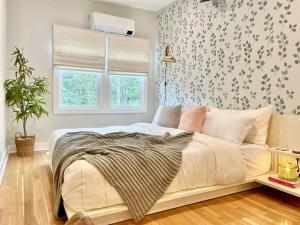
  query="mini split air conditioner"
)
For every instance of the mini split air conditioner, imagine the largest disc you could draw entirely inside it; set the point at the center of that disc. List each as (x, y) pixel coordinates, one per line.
(112, 24)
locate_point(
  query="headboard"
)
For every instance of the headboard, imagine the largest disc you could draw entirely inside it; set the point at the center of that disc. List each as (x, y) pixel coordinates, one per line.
(284, 131)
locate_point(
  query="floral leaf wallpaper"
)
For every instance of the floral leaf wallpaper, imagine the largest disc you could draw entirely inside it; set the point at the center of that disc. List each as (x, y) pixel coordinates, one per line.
(245, 57)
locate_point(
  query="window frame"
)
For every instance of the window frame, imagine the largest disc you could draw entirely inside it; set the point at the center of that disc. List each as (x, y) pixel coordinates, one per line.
(104, 95)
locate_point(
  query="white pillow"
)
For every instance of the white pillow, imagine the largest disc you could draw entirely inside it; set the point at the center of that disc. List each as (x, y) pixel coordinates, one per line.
(259, 132)
(228, 126)
(156, 116)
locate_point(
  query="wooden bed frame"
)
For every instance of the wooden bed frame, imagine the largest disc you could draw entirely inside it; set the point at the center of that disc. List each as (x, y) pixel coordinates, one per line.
(276, 137)
(120, 213)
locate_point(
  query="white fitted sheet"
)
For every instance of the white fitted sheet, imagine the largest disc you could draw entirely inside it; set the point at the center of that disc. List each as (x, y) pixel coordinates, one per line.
(84, 188)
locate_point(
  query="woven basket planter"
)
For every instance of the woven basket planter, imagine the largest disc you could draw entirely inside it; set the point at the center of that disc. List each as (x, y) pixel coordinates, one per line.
(25, 146)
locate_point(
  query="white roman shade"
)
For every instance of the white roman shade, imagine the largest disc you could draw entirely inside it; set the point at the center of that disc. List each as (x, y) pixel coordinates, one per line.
(77, 47)
(128, 55)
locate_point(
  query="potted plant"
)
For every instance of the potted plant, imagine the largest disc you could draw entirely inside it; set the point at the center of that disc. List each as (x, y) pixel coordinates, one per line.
(25, 95)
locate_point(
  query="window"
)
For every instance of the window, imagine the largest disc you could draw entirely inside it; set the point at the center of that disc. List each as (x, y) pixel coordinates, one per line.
(96, 72)
(127, 91)
(89, 91)
(78, 89)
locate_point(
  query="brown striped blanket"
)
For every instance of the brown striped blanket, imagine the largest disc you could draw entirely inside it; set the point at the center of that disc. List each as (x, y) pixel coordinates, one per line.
(139, 166)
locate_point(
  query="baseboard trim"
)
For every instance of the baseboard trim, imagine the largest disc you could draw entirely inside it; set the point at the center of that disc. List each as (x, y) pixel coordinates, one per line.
(40, 146)
(3, 162)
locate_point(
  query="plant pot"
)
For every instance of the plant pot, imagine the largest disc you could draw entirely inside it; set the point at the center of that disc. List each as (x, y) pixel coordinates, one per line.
(24, 145)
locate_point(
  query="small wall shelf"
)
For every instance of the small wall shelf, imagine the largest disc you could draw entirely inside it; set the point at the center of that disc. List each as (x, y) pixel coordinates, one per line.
(287, 153)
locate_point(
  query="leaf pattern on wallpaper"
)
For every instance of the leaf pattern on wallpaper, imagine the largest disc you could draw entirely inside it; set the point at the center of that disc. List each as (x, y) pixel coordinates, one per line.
(245, 57)
(297, 55)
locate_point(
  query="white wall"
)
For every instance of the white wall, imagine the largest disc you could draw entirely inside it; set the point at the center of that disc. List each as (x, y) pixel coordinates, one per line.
(30, 26)
(2, 72)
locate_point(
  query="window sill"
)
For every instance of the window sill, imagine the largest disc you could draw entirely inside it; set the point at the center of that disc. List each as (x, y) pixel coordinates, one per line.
(95, 112)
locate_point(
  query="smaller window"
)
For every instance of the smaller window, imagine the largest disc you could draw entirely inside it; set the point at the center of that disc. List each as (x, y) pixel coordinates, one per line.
(127, 91)
(78, 89)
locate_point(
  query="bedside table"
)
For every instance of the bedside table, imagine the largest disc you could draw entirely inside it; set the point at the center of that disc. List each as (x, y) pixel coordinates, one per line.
(264, 179)
(276, 154)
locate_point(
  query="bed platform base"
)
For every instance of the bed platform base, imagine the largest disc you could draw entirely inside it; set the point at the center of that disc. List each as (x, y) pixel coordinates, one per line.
(120, 213)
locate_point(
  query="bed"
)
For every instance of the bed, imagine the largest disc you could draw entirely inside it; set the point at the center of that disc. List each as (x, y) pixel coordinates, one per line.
(85, 189)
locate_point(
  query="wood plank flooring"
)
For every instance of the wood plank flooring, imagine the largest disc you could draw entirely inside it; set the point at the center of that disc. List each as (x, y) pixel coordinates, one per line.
(26, 197)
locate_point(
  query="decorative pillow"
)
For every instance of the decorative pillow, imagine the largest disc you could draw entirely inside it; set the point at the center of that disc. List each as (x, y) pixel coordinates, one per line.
(259, 132)
(192, 118)
(228, 126)
(167, 116)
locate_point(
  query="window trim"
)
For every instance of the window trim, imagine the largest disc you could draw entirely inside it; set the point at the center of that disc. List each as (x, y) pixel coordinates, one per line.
(104, 105)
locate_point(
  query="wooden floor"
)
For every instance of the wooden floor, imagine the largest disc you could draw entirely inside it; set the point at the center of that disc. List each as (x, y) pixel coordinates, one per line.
(25, 199)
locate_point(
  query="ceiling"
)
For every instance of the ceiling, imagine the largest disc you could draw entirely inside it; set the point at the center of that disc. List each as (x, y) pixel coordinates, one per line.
(151, 5)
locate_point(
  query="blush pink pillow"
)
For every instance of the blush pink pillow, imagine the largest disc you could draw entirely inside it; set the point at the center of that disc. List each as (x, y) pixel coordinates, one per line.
(192, 118)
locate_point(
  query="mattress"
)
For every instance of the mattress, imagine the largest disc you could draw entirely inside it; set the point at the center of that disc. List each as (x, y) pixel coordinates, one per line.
(84, 188)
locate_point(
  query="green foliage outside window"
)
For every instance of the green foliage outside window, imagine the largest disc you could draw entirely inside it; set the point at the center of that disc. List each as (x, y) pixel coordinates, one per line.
(78, 88)
(126, 90)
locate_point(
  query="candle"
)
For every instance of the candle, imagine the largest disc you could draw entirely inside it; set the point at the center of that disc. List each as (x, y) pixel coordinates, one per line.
(288, 171)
